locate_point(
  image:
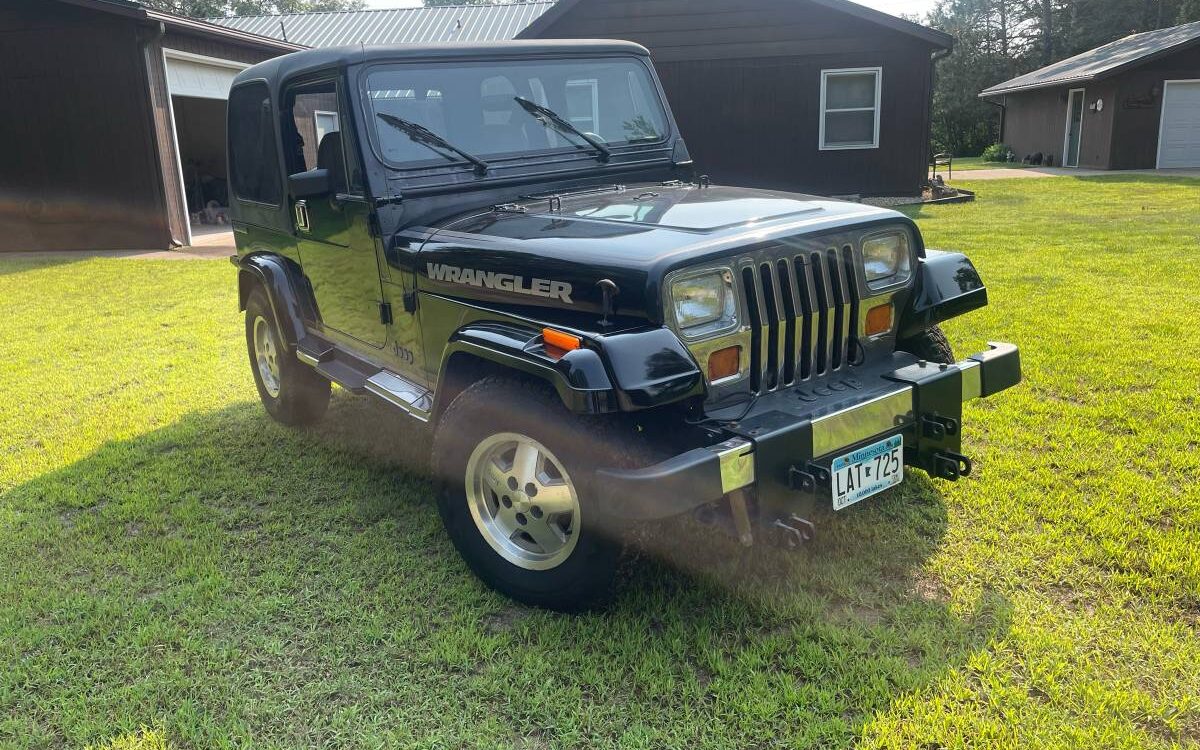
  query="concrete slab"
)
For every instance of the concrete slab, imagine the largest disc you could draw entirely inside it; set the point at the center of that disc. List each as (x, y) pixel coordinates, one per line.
(208, 244)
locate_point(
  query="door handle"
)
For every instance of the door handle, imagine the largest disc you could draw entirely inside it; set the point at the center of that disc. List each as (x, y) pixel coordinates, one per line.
(302, 216)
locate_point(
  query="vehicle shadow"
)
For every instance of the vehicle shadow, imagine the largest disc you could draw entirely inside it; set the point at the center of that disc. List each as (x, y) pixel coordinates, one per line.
(236, 577)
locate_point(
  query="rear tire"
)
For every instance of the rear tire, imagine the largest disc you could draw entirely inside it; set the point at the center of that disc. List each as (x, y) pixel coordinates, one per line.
(553, 547)
(292, 392)
(930, 345)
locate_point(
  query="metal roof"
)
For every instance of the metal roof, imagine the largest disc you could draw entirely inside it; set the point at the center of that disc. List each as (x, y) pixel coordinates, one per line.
(935, 37)
(444, 23)
(1105, 60)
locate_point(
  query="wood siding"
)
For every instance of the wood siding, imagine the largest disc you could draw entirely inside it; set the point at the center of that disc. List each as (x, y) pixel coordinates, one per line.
(79, 170)
(744, 82)
(198, 45)
(1035, 122)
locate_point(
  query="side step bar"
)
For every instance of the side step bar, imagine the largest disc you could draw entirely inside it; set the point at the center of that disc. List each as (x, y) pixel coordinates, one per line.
(405, 394)
(358, 377)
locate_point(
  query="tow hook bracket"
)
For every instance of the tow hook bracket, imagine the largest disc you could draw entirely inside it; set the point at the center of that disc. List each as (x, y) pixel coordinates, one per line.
(936, 428)
(808, 479)
(951, 465)
(794, 530)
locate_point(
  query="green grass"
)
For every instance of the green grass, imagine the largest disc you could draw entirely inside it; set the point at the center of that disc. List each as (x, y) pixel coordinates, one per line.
(970, 163)
(178, 571)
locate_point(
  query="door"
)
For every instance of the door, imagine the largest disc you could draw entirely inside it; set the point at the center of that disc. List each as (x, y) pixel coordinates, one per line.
(1179, 132)
(336, 248)
(1074, 128)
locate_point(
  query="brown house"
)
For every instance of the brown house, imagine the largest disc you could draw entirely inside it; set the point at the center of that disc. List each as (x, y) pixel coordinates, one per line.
(114, 122)
(824, 96)
(1130, 104)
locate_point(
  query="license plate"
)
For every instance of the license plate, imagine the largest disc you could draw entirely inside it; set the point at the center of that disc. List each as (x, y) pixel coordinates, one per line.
(867, 471)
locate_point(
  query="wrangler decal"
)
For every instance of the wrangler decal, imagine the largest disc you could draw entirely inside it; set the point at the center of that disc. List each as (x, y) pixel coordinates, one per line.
(505, 282)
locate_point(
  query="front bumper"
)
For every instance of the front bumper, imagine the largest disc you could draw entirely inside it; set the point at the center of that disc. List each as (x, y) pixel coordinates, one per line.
(783, 448)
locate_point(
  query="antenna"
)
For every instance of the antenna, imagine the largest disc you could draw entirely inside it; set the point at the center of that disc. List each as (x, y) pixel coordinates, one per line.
(283, 29)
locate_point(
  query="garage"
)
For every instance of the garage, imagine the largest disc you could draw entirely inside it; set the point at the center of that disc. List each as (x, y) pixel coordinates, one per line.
(119, 124)
(199, 89)
(1179, 139)
(1133, 103)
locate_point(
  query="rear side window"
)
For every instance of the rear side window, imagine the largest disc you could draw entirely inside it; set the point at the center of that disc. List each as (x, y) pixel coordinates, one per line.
(253, 158)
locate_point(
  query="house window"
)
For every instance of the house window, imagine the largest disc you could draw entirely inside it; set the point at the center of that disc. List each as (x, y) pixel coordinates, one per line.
(850, 108)
(325, 122)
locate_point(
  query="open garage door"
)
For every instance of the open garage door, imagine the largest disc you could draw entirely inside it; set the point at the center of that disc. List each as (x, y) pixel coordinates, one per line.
(1179, 134)
(199, 89)
(205, 78)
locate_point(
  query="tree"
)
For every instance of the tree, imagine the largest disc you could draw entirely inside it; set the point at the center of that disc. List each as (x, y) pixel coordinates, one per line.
(219, 8)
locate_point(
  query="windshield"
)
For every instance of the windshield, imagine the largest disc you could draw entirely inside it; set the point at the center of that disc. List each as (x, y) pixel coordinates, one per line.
(484, 108)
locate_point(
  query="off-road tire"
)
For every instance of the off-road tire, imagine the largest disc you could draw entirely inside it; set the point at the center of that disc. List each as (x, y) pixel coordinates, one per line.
(498, 405)
(930, 345)
(302, 394)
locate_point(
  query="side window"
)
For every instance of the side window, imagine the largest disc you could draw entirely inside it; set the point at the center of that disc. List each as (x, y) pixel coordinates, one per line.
(312, 136)
(253, 159)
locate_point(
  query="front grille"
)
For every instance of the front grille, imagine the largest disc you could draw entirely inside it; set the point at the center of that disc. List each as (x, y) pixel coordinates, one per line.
(803, 309)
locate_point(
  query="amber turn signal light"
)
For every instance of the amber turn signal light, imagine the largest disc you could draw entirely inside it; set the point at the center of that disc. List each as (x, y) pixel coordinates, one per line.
(724, 363)
(879, 320)
(564, 342)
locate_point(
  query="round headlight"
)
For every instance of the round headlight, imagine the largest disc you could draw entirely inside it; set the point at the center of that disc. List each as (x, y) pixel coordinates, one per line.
(704, 303)
(886, 259)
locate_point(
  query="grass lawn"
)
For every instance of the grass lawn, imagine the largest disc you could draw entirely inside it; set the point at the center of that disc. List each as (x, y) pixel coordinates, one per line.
(178, 571)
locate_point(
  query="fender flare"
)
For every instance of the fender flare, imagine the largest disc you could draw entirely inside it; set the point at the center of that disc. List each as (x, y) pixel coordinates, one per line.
(287, 291)
(621, 373)
(947, 286)
(579, 377)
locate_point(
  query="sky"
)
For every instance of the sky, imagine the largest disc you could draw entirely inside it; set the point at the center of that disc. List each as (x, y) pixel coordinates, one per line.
(895, 7)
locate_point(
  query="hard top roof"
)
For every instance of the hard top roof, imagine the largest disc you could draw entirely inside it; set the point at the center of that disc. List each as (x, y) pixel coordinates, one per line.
(276, 69)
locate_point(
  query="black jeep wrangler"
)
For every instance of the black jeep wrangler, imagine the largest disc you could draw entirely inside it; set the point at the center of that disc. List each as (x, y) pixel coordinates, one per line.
(506, 242)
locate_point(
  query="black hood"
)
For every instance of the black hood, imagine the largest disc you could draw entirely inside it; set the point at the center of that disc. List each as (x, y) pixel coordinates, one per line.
(527, 252)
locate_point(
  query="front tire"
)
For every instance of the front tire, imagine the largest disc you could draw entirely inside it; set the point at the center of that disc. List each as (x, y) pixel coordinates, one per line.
(292, 392)
(514, 471)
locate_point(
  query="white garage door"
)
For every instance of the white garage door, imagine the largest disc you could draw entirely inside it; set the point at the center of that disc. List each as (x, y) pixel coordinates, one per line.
(189, 76)
(1179, 137)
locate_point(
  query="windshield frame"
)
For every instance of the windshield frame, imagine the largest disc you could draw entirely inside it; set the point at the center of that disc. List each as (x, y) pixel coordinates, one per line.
(564, 154)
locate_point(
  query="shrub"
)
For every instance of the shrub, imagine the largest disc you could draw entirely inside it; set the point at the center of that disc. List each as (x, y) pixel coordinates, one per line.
(998, 152)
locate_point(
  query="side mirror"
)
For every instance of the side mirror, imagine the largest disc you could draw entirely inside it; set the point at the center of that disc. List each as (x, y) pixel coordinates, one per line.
(311, 184)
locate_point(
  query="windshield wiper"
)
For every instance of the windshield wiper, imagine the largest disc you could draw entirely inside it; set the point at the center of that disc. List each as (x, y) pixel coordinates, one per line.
(555, 121)
(426, 137)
